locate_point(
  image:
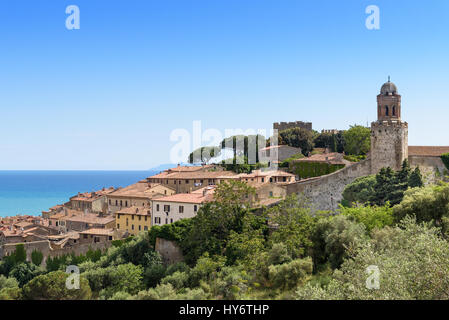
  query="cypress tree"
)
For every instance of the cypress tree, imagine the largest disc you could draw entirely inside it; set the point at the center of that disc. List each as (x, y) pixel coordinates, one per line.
(415, 179)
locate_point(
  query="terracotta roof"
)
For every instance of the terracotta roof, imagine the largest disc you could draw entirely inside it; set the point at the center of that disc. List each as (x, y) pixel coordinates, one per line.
(98, 231)
(208, 189)
(333, 158)
(194, 197)
(23, 224)
(266, 173)
(198, 175)
(91, 196)
(91, 218)
(429, 151)
(189, 168)
(66, 213)
(69, 235)
(138, 190)
(179, 169)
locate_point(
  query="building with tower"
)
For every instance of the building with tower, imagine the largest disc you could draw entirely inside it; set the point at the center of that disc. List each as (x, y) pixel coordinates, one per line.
(389, 148)
(389, 134)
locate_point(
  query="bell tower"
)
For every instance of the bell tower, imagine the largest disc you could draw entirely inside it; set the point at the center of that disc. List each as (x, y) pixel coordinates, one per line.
(389, 134)
(389, 102)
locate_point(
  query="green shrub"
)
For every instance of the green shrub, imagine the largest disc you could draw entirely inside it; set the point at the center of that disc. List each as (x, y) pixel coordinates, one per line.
(20, 254)
(370, 216)
(24, 272)
(359, 191)
(52, 286)
(429, 203)
(286, 162)
(445, 158)
(354, 158)
(178, 279)
(288, 275)
(176, 231)
(37, 257)
(313, 169)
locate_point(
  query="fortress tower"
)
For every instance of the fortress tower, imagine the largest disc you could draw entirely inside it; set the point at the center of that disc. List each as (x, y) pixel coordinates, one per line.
(389, 135)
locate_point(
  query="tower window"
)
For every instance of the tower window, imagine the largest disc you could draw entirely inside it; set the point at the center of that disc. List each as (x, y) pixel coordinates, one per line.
(386, 110)
(393, 111)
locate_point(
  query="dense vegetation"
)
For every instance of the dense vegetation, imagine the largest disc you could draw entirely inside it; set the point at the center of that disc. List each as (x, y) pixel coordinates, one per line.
(354, 142)
(387, 186)
(445, 158)
(334, 141)
(305, 169)
(357, 140)
(284, 252)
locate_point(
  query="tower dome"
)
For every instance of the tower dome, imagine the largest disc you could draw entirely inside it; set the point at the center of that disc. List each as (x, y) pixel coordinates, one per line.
(388, 102)
(388, 88)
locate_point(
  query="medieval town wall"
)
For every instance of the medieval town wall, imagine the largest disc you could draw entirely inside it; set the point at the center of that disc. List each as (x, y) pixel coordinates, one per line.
(45, 247)
(169, 250)
(432, 168)
(325, 192)
(289, 125)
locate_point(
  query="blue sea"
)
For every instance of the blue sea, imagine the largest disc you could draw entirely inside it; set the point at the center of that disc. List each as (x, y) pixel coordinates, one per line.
(31, 192)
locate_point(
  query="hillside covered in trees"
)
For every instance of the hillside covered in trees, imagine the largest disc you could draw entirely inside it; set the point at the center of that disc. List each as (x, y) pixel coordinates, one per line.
(288, 251)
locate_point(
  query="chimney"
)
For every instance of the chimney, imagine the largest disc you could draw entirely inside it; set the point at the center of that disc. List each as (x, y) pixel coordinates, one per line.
(204, 192)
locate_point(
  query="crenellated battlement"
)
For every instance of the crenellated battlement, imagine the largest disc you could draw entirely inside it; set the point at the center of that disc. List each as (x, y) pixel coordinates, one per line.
(293, 124)
(389, 123)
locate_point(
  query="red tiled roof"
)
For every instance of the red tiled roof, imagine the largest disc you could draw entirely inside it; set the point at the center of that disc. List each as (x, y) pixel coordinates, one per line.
(194, 175)
(194, 197)
(429, 151)
(98, 231)
(138, 190)
(91, 196)
(91, 218)
(333, 158)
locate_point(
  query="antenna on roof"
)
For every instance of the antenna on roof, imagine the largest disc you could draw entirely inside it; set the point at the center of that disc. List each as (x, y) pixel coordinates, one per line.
(388, 78)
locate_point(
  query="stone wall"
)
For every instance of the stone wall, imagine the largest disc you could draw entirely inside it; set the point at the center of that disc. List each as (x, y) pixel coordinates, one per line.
(169, 250)
(389, 144)
(325, 192)
(47, 251)
(432, 168)
(289, 125)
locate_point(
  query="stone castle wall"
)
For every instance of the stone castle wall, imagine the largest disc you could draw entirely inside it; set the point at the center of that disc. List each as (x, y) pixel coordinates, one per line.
(47, 251)
(432, 168)
(389, 144)
(169, 250)
(289, 125)
(325, 192)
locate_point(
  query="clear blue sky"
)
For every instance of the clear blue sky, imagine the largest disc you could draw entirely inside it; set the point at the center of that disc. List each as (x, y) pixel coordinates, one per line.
(108, 95)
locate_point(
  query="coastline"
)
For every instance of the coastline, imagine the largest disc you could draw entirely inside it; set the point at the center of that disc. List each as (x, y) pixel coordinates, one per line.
(29, 192)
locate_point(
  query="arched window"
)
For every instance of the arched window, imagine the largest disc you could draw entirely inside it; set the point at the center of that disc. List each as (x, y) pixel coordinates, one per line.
(393, 111)
(386, 110)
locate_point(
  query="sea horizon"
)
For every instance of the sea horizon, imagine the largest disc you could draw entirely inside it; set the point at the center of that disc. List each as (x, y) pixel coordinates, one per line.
(29, 192)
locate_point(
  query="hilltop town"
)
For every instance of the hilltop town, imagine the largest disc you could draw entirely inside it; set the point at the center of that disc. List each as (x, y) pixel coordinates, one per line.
(93, 220)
